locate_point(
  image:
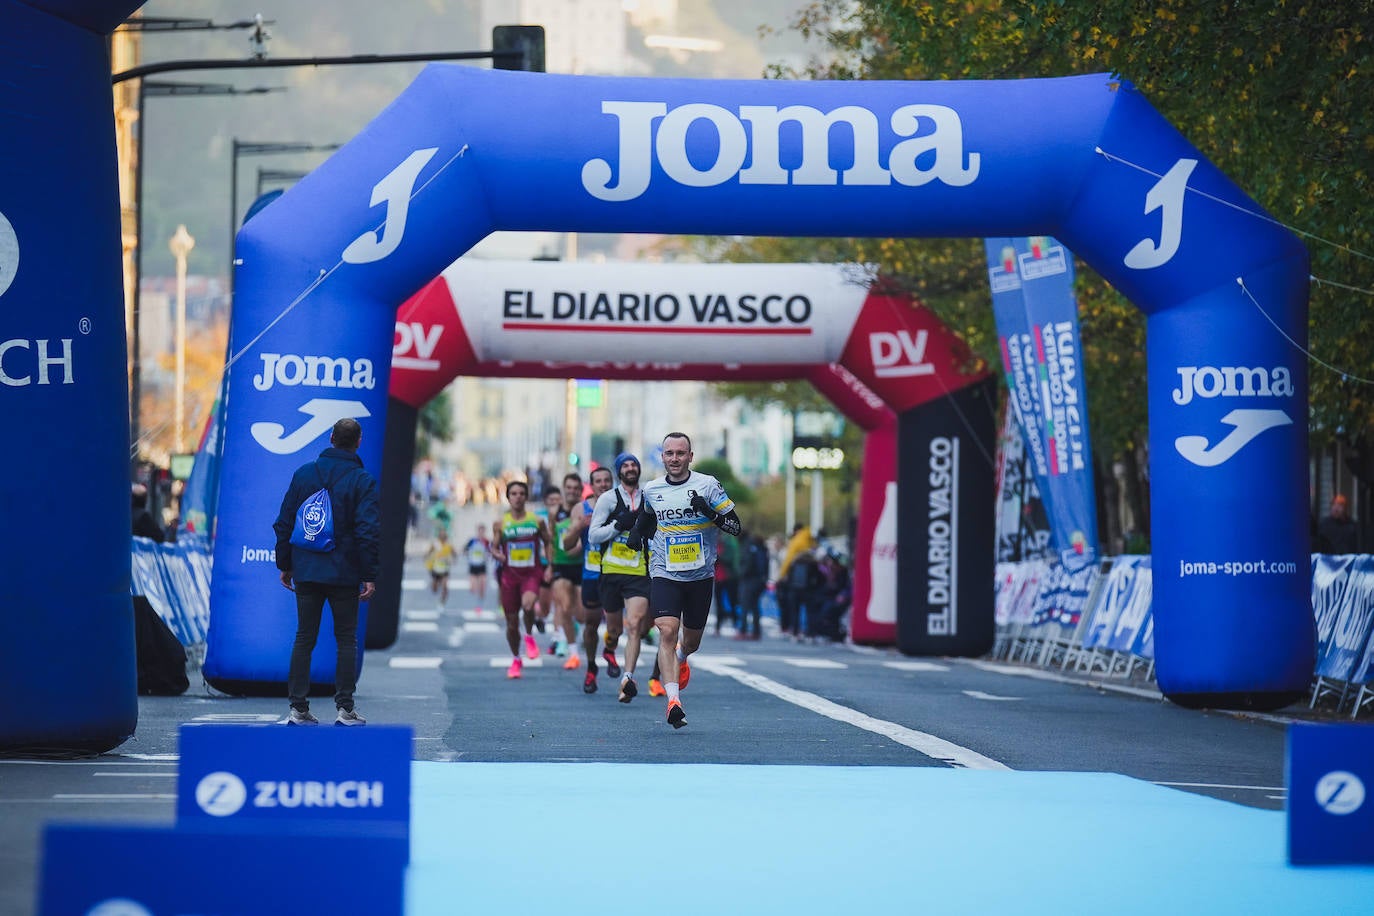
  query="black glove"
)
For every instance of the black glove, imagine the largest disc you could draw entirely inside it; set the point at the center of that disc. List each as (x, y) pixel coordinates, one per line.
(624, 519)
(701, 506)
(634, 540)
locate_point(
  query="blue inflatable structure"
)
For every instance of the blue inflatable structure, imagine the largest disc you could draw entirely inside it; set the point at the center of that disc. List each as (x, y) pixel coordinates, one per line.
(465, 152)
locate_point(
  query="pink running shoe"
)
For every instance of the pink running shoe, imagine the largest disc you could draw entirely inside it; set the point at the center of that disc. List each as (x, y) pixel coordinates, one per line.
(531, 647)
(516, 669)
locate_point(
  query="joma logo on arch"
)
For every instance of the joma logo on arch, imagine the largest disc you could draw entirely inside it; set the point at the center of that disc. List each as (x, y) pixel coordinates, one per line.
(1232, 382)
(933, 152)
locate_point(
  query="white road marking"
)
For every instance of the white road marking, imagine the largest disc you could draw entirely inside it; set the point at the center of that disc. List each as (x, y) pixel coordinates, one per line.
(455, 637)
(236, 718)
(110, 796)
(425, 626)
(1037, 674)
(484, 627)
(479, 615)
(915, 666)
(1215, 785)
(718, 659)
(112, 761)
(812, 663)
(930, 745)
(171, 758)
(422, 615)
(980, 695)
(414, 585)
(167, 775)
(504, 662)
(415, 661)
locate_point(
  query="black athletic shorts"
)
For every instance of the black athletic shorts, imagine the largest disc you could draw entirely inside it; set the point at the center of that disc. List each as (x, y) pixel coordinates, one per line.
(591, 592)
(616, 589)
(689, 600)
(477, 570)
(570, 571)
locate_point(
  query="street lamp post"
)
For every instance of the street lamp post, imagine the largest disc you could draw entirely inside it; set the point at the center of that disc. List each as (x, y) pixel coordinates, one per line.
(156, 89)
(181, 245)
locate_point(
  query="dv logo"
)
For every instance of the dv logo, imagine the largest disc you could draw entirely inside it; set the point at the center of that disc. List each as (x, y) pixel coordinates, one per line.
(9, 254)
(412, 338)
(220, 794)
(323, 414)
(898, 355)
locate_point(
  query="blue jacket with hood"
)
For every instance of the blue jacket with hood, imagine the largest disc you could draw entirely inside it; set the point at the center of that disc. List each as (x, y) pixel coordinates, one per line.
(357, 521)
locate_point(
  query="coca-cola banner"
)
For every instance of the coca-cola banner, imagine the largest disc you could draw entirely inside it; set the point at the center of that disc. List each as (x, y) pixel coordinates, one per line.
(1037, 326)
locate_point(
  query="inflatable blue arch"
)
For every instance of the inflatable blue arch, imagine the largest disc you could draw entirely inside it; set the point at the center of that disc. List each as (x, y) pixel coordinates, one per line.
(465, 152)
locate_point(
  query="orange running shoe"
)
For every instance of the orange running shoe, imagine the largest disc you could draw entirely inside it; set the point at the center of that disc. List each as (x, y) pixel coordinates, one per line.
(573, 662)
(684, 674)
(656, 688)
(676, 717)
(516, 669)
(531, 648)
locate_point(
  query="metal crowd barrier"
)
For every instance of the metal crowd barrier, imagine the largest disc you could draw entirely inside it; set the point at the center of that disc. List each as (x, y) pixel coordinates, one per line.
(1099, 621)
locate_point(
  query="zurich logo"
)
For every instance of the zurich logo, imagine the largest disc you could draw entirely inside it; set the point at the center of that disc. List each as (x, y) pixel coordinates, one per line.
(119, 906)
(1340, 792)
(221, 794)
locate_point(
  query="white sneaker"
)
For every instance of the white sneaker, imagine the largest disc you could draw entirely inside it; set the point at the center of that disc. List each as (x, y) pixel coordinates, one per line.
(349, 717)
(301, 717)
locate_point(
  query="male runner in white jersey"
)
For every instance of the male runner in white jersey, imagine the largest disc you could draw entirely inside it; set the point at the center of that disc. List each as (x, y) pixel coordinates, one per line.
(681, 512)
(575, 535)
(624, 581)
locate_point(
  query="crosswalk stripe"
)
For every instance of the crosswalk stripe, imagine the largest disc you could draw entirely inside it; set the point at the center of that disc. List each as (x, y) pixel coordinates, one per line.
(415, 661)
(915, 666)
(813, 663)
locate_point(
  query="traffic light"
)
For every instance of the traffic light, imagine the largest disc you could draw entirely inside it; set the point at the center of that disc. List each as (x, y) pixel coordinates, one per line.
(527, 39)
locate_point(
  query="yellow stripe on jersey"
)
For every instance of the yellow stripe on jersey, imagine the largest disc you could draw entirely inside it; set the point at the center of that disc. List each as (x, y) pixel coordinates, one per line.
(678, 528)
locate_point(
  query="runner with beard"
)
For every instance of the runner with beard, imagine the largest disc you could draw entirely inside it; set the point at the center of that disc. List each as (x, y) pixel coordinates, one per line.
(624, 584)
(575, 537)
(680, 516)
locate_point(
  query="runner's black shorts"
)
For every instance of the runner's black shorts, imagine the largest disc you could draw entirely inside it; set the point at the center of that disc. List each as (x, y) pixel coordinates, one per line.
(570, 571)
(477, 570)
(616, 589)
(690, 601)
(591, 591)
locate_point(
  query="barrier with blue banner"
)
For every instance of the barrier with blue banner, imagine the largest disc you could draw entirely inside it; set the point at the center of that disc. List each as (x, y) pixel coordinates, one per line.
(175, 578)
(1345, 646)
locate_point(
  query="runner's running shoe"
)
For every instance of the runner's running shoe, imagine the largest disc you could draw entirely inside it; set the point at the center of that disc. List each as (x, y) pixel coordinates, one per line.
(301, 717)
(628, 690)
(531, 647)
(676, 717)
(589, 682)
(517, 667)
(349, 717)
(656, 688)
(573, 662)
(612, 666)
(684, 674)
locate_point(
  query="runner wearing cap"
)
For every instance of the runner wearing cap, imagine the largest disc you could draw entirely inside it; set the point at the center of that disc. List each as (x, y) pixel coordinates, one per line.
(624, 582)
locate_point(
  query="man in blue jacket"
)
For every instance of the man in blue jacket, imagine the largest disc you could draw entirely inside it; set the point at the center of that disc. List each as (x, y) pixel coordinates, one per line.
(343, 575)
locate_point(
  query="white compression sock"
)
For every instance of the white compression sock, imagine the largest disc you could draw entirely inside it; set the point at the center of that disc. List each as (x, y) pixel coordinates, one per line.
(671, 687)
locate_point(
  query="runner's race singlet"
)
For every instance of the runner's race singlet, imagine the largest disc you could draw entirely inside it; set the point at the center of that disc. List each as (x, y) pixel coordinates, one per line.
(684, 547)
(563, 557)
(617, 556)
(591, 556)
(522, 540)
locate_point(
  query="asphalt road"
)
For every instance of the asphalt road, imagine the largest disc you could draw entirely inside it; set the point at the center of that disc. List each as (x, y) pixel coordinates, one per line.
(752, 703)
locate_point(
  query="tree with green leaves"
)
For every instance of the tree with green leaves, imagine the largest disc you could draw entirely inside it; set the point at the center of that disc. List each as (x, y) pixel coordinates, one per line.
(1276, 94)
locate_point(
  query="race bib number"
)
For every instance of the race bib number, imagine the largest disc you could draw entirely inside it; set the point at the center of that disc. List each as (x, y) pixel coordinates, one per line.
(477, 556)
(621, 555)
(593, 560)
(522, 556)
(685, 551)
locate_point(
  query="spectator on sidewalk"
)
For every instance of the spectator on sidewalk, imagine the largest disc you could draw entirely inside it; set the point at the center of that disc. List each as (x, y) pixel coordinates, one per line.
(145, 526)
(800, 543)
(754, 562)
(1338, 533)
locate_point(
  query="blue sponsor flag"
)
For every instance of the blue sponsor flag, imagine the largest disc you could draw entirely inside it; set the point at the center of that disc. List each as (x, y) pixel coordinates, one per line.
(1345, 644)
(1037, 328)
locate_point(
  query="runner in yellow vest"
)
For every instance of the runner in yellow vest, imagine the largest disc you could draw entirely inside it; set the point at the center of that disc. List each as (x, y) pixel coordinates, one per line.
(624, 569)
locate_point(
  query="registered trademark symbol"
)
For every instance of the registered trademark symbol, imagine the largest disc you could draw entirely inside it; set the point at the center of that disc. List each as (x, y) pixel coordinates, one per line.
(84, 325)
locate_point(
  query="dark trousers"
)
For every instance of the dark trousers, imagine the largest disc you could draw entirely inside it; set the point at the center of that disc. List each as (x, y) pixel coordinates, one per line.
(343, 607)
(750, 591)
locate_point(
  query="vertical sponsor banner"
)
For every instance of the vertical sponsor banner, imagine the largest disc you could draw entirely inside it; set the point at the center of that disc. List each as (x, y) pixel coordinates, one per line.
(1344, 647)
(873, 617)
(1022, 532)
(201, 491)
(946, 549)
(67, 671)
(1330, 794)
(1037, 326)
